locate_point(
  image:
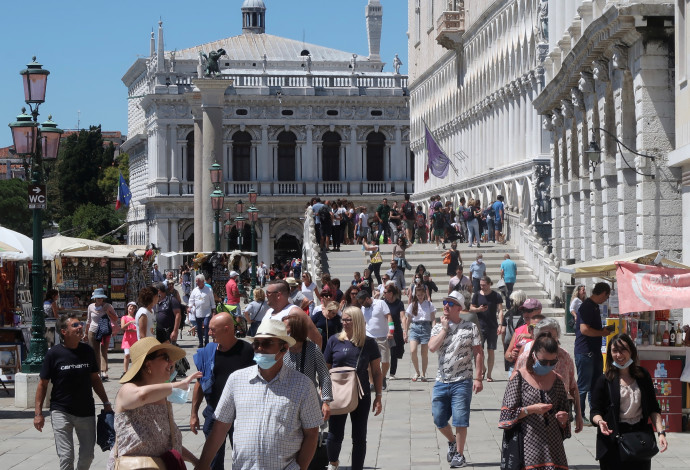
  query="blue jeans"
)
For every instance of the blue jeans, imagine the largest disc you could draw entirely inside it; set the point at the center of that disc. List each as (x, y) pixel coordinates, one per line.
(490, 227)
(218, 461)
(589, 369)
(452, 400)
(336, 427)
(473, 228)
(202, 330)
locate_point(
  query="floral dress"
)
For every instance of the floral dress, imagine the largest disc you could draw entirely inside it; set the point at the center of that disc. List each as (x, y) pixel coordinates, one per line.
(541, 434)
(144, 432)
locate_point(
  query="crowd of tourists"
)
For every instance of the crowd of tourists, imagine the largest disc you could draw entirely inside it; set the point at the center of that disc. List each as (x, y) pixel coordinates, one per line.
(320, 350)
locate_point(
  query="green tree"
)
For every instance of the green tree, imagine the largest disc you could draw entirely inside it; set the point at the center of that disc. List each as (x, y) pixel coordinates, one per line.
(111, 176)
(14, 210)
(92, 221)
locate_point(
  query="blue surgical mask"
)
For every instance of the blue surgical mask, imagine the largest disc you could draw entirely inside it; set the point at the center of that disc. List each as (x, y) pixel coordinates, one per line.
(265, 361)
(624, 366)
(541, 369)
(179, 396)
(173, 375)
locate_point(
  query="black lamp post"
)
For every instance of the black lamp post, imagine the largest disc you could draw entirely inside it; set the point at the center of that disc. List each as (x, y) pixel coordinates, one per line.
(26, 136)
(227, 227)
(217, 196)
(240, 220)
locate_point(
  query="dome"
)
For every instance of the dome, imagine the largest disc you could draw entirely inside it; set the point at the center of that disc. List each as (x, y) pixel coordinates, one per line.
(254, 4)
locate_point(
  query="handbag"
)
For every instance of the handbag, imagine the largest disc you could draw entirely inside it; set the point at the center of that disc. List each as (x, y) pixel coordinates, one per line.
(512, 445)
(446, 258)
(346, 388)
(105, 430)
(633, 446)
(104, 329)
(376, 258)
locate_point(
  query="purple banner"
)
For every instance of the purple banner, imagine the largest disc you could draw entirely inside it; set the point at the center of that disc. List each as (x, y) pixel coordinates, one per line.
(438, 161)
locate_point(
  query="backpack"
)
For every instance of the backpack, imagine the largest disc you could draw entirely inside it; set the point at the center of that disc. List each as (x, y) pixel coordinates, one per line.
(324, 214)
(408, 210)
(421, 220)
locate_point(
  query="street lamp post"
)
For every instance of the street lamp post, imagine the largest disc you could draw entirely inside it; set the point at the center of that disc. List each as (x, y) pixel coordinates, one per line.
(227, 227)
(240, 220)
(35, 144)
(217, 196)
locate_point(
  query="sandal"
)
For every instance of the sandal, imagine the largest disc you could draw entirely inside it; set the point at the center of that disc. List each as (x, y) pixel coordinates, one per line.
(415, 377)
(489, 379)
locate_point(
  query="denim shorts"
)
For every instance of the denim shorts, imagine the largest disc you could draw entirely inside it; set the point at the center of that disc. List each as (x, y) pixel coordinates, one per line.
(451, 400)
(420, 332)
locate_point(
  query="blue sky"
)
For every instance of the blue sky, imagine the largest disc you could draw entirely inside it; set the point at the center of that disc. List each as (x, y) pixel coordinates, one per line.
(88, 45)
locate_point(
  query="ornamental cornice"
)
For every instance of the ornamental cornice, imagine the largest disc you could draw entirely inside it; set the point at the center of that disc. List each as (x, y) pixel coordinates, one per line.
(586, 83)
(557, 118)
(614, 27)
(577, 98)
(600, 70)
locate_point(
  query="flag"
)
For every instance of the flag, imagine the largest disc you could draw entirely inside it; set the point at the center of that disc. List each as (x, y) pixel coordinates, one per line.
(438, 162)
(123, 193)
(426, 174)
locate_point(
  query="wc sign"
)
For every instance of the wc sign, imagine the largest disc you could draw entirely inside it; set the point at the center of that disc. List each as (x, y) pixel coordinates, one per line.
(37, 196)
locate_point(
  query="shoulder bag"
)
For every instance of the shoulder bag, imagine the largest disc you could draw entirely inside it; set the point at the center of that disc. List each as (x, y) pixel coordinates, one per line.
(446, 258)
(633, 446)
(346, 388)
(376, 258)
(104, 328)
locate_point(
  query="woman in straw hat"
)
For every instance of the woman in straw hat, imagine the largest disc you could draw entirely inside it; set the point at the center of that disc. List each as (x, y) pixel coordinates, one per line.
(144, 423)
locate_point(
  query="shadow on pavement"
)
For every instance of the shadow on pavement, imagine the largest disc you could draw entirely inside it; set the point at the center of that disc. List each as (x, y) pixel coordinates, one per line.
(9, 414)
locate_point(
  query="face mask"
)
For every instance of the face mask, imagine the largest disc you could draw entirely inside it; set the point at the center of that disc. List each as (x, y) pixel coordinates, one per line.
(480, 260)
(179, 396)
(417, 280)
(173, 375)
(265, 361)
(540, 369)
(624, 366)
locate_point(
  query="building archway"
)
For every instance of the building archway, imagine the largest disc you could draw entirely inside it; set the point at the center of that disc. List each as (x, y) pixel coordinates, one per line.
(286, 247)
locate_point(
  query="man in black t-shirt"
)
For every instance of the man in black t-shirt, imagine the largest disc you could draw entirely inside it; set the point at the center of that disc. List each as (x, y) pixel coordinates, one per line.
(488, 305)
(71, 367)
(216, 362)
(168, 316)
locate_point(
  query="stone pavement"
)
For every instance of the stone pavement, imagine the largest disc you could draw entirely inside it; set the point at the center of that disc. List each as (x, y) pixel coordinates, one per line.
(402, 437)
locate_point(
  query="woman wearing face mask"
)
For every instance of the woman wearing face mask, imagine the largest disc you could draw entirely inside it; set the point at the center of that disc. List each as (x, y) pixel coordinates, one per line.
(420, 317)
(536, 401)
(623, 400)
(327, 321)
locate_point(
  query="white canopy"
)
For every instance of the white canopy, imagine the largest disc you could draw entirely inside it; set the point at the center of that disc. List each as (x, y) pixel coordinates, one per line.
(23, 245)
(60, 245)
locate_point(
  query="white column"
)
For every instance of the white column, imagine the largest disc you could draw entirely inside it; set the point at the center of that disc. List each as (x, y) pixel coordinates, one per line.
(198, 189)
(308, 162)
(399, 164)
(264, 243)
(264, 158)
(174, 160)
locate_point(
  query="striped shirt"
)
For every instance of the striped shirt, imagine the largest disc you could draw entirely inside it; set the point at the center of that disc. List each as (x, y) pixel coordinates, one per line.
(314, 364)
(268, 417)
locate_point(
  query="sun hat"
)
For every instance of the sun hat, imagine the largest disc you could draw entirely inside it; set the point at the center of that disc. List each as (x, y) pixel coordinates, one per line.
(132, 303)
(531, 304)
(457, 297)
(273, 329)
(99, 294)
(234, 274)
(292, 282)
(143, 348)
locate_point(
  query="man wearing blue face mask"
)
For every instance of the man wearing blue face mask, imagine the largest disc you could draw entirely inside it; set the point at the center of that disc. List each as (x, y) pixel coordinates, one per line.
(275, 410)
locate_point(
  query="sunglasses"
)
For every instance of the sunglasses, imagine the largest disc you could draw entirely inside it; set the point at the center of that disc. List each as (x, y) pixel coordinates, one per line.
(546, 362)
(450, 303)
(164, 355)
(325, 295)
(76, 324)
(265, 344)
(354, 292)
(269, 292)
(347, 320)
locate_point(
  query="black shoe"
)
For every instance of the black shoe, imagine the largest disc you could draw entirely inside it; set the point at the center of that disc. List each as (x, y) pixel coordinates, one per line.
(384, 384)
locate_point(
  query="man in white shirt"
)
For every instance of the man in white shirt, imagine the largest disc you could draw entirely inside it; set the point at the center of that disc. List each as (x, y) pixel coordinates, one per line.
(201, 304)
(459, 282)
(261, 274)
(379, 326)
(278, 299)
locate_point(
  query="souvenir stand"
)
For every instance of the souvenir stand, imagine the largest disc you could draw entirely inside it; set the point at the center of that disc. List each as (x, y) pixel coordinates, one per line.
(646, 289)
(16, 253)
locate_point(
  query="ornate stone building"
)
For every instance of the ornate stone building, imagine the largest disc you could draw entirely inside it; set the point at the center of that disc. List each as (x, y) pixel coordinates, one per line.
(288, 119)
(610, 80)
(475, 71)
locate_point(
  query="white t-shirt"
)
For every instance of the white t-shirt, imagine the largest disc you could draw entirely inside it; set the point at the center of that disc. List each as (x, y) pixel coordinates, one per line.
(279, 315)
(308, 290)
(425, 312)
(364, 217)
(575, 304)
(376, 318)
(149, 324)
(339, 212)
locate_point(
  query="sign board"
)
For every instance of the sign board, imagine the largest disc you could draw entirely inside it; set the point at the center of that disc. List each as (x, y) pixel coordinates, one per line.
(37, 196)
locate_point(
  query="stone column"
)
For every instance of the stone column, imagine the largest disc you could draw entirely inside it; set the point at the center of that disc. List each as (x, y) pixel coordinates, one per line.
(264, 243)
(174, 161)
(399, 163)
(212, 102)
(174, 242)
(265, 164)
(355, 158)
(309, 161)
(198, 174)
(158, 145)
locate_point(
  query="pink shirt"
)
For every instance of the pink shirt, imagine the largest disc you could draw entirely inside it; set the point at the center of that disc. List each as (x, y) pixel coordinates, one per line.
(232, 292)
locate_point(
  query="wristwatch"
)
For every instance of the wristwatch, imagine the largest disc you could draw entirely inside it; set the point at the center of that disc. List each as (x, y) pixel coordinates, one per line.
(661, 433)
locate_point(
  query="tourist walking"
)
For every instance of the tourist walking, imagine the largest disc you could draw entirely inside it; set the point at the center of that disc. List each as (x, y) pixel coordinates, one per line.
(535, 406)
(488, 305)
(473, 217)
(383, 212)
(391, 295)
(375, 258)
(458, 344)
(380, 327)
(509, 276)
(327, 320)
(148, 296)
(399, 254)
(352, 348)
(216, 361)
(128, 324)
(579, 296)
(477, 271)
(254, 311)
(623, 401)
(409, 218)
(459, 281)
(72, 367)
(95, 311)
(588, 334)
(455, 259)
(499, 217)
(201, 305)
(168, 316)
(420, 316)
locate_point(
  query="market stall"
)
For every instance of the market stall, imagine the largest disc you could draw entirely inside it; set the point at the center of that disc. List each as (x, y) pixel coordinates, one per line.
(646, 289)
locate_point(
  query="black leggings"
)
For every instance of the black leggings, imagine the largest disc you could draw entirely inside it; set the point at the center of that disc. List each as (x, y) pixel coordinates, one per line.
(336, 428)
(375, 268)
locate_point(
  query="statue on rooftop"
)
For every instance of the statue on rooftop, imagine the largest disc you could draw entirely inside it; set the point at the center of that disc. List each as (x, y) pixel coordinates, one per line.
(543, 21)
(210, 62)
(396, 64)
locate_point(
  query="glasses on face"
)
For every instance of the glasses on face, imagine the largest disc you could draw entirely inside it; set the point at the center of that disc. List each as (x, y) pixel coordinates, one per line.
(354, 292)
(76, 324)
(547, 362)
(265, 344)
(164, 355)
(326, 295)
(347, 320)
(449, 303)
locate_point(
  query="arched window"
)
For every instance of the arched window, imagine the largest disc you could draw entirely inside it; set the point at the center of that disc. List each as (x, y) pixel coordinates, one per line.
(241, 161)
(376, 143)
(330, 157)
(286, 156)
(190, 157)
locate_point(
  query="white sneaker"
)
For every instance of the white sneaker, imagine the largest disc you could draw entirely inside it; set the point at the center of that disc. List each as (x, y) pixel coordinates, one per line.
(333, 467)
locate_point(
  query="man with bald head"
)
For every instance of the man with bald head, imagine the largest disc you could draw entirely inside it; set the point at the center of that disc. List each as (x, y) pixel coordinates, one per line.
(216, 362)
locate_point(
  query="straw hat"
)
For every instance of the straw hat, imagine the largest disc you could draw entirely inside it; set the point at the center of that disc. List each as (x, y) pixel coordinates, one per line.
(143, 348)
(291, 281)
(273, 329)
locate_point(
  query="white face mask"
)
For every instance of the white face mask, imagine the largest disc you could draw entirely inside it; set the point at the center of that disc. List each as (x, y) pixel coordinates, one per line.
(623, 366)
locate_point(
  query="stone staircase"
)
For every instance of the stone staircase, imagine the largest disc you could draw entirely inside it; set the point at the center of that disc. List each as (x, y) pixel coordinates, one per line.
(351, 258)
